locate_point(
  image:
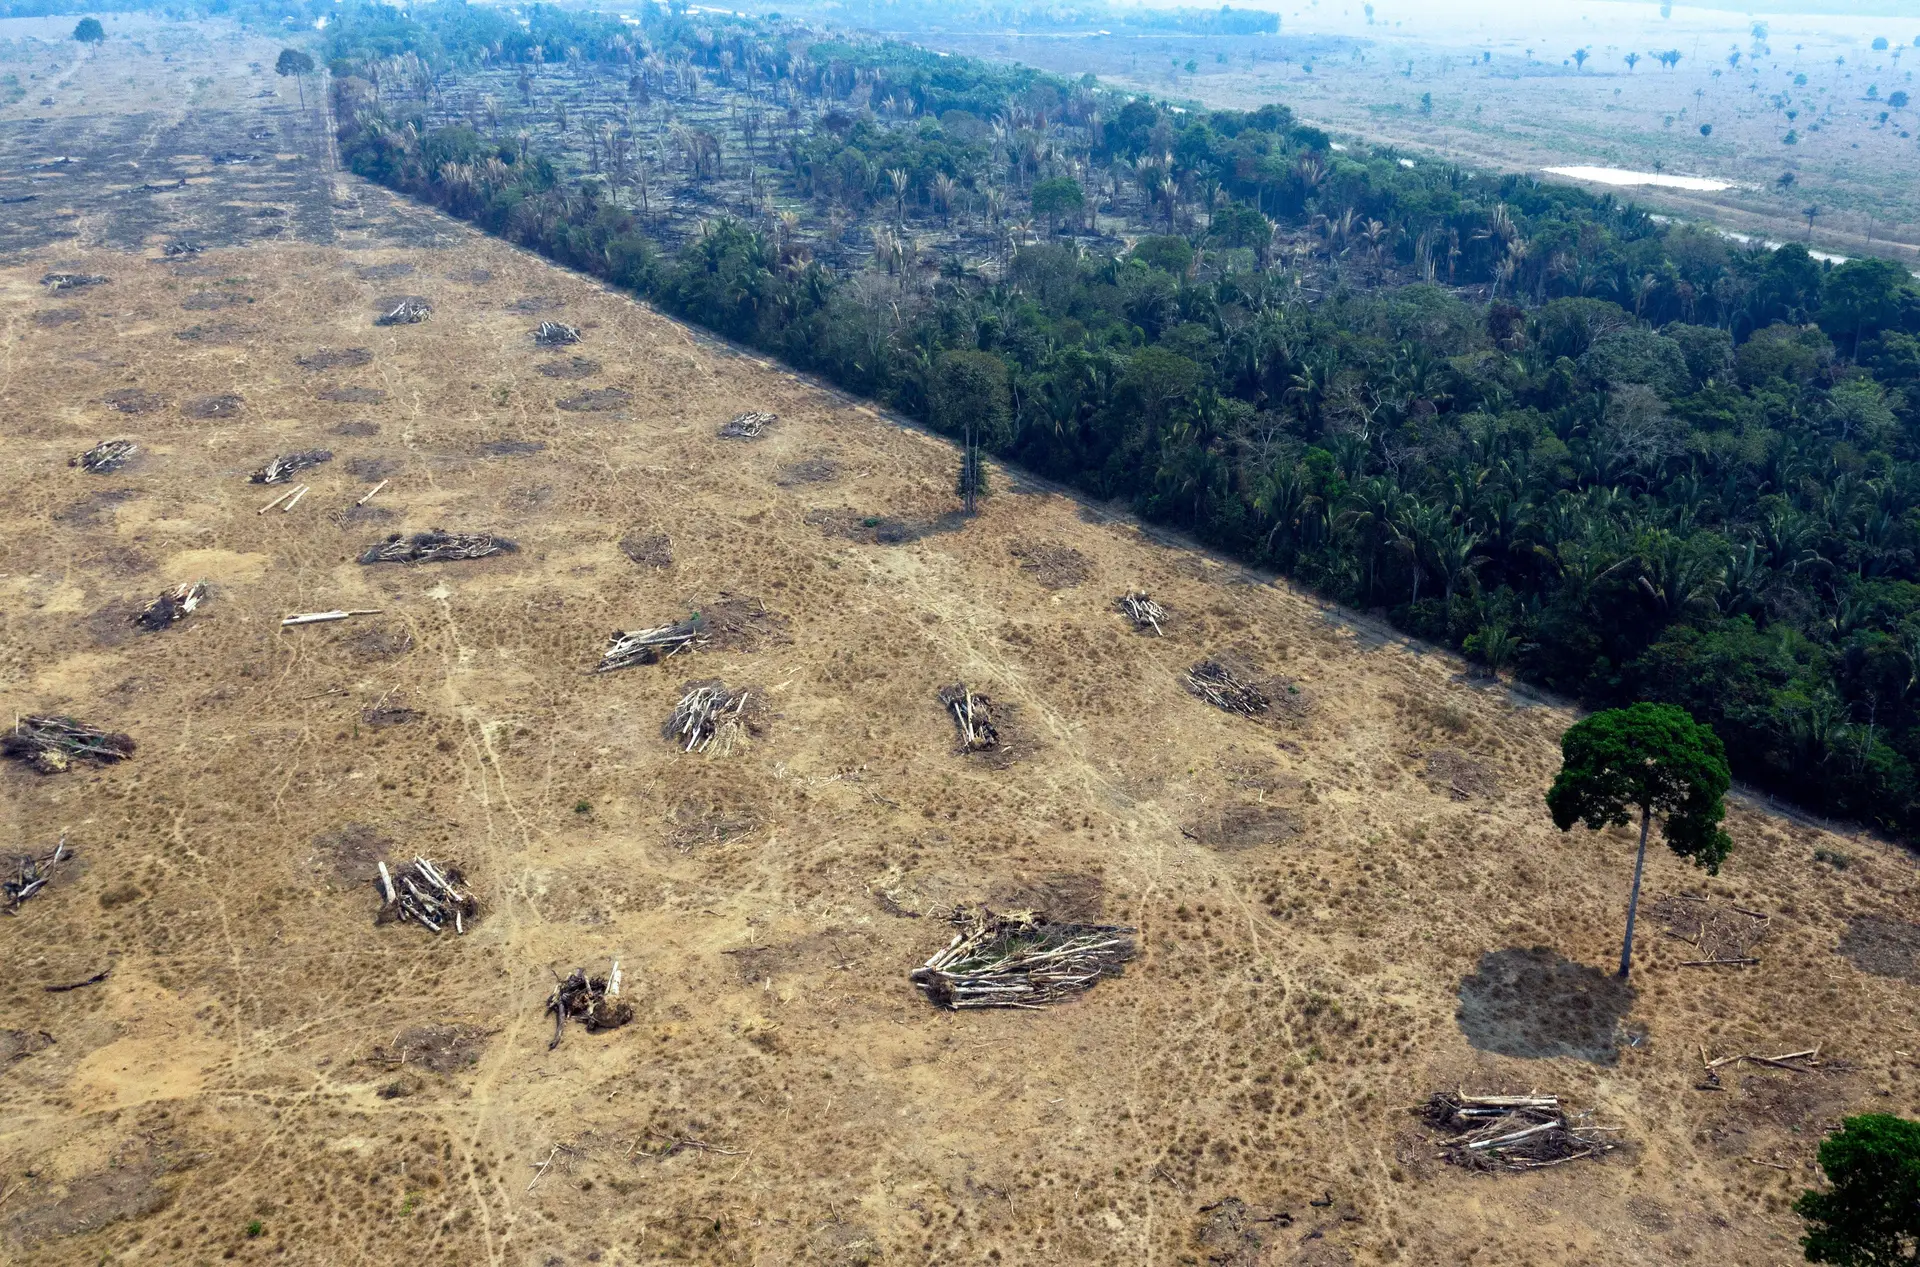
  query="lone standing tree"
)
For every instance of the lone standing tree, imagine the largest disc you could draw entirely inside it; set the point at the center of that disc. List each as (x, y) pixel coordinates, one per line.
(299, 65)
(1871, 1214)
(1654, 758)
(970, 396)
(89, 31)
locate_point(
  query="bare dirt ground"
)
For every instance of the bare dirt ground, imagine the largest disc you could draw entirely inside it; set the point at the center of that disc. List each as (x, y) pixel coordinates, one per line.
(1341, 910)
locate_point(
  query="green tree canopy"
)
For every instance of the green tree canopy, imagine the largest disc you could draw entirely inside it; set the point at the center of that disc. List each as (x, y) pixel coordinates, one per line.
(1870, 1216)
(293, 62)
(89, 31)
(1169, 253)
(1653, 758)
(1057, 196)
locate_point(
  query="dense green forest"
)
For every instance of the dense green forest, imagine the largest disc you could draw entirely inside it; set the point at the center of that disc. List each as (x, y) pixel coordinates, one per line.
(1621, 458)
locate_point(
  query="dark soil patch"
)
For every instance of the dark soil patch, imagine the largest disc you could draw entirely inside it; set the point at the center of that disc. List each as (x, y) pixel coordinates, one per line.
(512, 448)
(440, 1048)
(1238, 827)
(90, 1202)
(882, 530)
(1057, 567)
(213, 301)
(371, 469)
(1231, 1233)
(806, 471)
(349, 856)
(574, 367)
(224, 405)
(470, 276)
(736, 623)
(352, 395)
(384, 272)
(53, 318)
(1460, 776)
(714, 819)
(335, 359)
(598, 401)
(16, 1044)
(387, 303)
(536, 303)
(1536, 1005)
(1884, 947)
(90, 510)
(648, 549)
(378, 642)
(384, 715)
(358, 428)
(133, 400)
(1060, 896)
(214, 333)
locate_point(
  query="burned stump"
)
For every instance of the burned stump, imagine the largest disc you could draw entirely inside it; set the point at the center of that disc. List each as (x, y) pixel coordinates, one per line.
(594, 1002)
(431, 894)
(747, 426)
(106, 457)
(170, 606)
(1022, 960)
(973, 716)
(1139, 607)
(406, 312)
(281, 469)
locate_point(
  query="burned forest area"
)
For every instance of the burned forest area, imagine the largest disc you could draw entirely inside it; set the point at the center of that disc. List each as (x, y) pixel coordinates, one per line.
(496, 772)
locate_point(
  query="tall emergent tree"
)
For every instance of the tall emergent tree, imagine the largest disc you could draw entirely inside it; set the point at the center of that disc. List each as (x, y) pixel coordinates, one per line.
(1654, 758)
(299, 65)
(1870, 1216)
(89, 31)
(969, 395)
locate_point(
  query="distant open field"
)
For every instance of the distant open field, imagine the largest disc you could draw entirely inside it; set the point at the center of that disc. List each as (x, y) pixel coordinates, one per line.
(1494, 85)
(1341, 907)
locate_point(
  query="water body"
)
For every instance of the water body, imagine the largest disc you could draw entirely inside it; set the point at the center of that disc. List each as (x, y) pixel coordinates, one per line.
(1624, 177)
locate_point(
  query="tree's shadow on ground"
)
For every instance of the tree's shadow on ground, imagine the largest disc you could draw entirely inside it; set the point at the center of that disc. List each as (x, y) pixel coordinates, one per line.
(1536, 1005)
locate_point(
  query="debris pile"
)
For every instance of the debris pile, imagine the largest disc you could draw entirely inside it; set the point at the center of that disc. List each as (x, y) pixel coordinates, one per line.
(1224, 689)
(437, 547)
(106, 457)
(1806, 1061)
(282, 469)
(1512, 1132)
(181, 250)
(594, 1002)
(71, 281)
(51, 744)
(31, 874)
(408, 312)
(1139, 607)
(709, 718)
(428, 893)
(748, 426)
(555, 334)
(171, 605)
(650, 646)
(1021, 959)
(973, 715)
(1724, 934)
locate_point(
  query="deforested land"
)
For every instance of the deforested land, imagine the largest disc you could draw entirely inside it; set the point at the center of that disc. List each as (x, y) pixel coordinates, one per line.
(615, 807)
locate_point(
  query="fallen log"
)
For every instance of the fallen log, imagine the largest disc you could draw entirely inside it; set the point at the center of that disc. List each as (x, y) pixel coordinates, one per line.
(437, 547)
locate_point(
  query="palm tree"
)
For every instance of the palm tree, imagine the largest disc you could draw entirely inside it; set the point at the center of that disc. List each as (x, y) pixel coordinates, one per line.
(1580, 56)
(1632, 60)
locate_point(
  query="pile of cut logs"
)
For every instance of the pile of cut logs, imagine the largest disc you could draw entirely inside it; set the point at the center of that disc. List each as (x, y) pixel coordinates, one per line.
(171, 605)
(972, 716)
(1140, 608)
(71, 281)
(1221, 687)
(625, 649)
(407, 312)
(34, 873)
(282, 469)
(1512, 1132)
(747, 426)
(594, 1002)
(555, 334)
(1022, 960)
(106, 457)
(52, 744)
(710, 718)
(437, 547)
(428, 893)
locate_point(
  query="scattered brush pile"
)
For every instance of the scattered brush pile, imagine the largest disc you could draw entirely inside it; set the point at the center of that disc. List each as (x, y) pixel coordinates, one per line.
(711, 719)
(32, 874)
(282, 469)
(52, 744)
(973, 716)
(408, 312)
(171, 605)
(594, 1002)
(106, 457)
(1724, 934)
(56, 282)
(181, 250)
(626, 649)
(1139, 607)
(437, 547)
(1512, 1132)
(427, 892)
(1021, 959)
(1221, 687)
(555, 334)
(747, 426)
